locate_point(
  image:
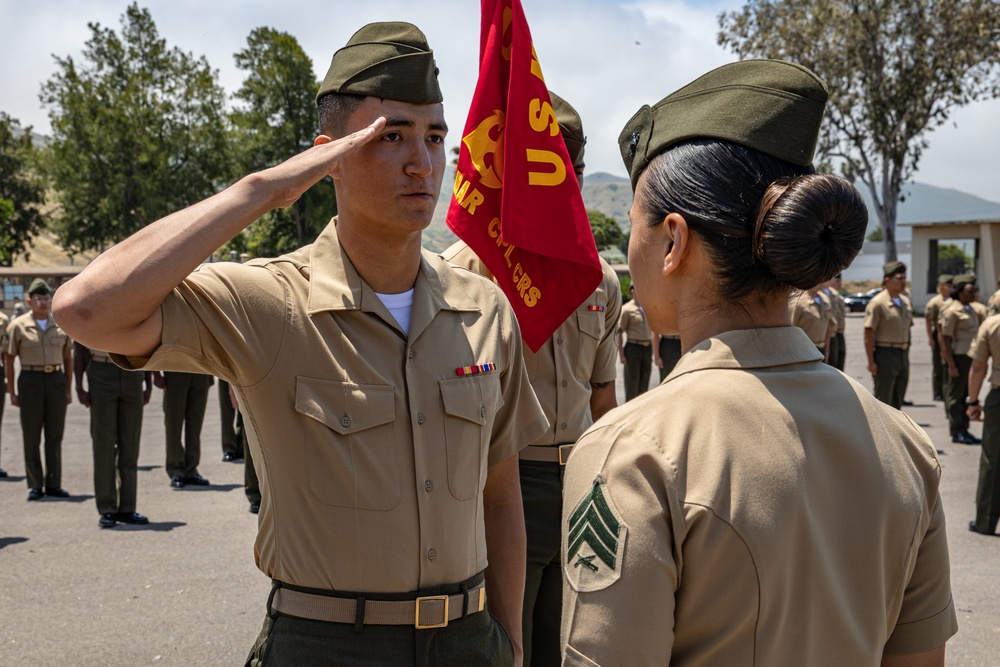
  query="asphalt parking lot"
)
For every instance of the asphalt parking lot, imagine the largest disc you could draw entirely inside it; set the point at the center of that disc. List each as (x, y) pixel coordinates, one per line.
(184, 590)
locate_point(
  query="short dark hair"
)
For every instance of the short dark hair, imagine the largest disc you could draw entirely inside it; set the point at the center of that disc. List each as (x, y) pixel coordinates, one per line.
(769, 225)
(334, 109)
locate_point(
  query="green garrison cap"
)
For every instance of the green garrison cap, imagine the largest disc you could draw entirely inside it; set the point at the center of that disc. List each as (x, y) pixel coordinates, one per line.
(946, 279)
(387, 60)
(39, 286)
(893, 268)
(571, 127)
(772, 106)
(969, 278)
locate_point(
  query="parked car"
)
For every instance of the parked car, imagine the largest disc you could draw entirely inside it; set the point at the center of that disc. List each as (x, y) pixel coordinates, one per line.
(856, 302)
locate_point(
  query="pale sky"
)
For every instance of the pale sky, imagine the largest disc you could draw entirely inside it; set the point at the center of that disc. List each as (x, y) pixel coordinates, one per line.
(605, 57)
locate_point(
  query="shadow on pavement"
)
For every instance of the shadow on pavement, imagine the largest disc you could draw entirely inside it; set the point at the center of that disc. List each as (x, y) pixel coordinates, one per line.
(155, 526)
(148, 468)
(12, 478)
(210, 487)
(5, 541)
(71, 499)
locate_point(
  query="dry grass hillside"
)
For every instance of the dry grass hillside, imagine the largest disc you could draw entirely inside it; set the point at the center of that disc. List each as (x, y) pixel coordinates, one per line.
(46, 252)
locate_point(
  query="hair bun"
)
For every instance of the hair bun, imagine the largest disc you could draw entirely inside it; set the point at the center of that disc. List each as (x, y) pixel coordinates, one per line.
(809, 228)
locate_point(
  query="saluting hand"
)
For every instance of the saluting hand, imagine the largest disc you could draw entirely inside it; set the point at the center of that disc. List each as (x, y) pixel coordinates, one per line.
(300, 172)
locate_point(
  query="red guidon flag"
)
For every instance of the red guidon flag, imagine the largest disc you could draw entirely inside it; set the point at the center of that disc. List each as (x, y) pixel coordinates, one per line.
(517, 202)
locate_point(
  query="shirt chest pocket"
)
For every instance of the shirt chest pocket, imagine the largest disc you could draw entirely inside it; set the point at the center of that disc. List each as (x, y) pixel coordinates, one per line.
(350, 448)
(470, 404)
(591, 326)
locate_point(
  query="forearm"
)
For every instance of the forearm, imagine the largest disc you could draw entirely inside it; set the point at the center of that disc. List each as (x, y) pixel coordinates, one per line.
(602, 399)
(133, 277)
(870, 345)
(8, 369)
(931, 658)
(503, 516)
(976, 376)
(947, 353)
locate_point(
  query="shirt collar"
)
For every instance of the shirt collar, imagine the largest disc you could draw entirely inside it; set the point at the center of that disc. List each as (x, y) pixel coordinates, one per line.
(334, 283)
(749, 348)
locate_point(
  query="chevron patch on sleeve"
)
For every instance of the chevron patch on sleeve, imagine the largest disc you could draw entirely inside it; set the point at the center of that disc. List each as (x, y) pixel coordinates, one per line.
(594, 541)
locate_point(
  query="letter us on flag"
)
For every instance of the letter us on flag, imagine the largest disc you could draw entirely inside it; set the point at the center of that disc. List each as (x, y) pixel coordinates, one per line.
(517, 202)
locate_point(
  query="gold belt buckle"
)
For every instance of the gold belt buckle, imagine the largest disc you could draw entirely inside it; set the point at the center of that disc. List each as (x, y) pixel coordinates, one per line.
(49, 368)
(564, 451)
(429, 598)
(482, 598)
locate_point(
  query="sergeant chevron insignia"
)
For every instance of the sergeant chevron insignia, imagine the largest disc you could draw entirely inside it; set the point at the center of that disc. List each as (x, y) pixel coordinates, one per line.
(594, 542)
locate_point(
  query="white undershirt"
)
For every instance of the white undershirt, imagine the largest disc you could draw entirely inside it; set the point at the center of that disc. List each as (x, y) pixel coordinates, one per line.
(400, 306)
(43, 324)
(896, 300)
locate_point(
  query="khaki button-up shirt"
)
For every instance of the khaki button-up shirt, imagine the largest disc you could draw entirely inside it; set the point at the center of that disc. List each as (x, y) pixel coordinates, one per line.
(933, 309)
(814, 315)
(839, 308)
(986, 345)
(744, 526)
(891, 323)
(374, 444)
(4, 321)
(25, 339)
(580, 352)
(632, 322)
(961, 323)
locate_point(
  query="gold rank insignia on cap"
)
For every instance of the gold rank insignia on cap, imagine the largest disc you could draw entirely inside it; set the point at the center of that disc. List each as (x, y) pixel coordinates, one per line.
(595, 541)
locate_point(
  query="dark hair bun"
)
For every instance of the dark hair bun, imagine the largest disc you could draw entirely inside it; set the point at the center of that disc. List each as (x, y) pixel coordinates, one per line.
(809, 228)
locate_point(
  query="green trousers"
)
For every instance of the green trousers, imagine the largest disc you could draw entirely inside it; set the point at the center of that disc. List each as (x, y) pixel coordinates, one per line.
(477, 640)
(184, 403)
(988, 490)
(541, 493)
(938, 366)
(115, 427)
(892, 376)
(3, 398)
(638, 363)
(838, 351)
(43, 408)
(231, 443)
(670, 353)
(250, 482)
(955, 391)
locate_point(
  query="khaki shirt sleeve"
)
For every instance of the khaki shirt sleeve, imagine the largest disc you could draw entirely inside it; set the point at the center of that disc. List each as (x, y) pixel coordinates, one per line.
(980, 350)
(594, 630)
(225, 319)
(12, 342)
(927, 618)
(606, 360)
(949, 323)
(873, 315)
(520, 421)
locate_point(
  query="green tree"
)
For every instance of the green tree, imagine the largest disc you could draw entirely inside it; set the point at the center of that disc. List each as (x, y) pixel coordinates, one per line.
(952, 260)
(275, 119)
(607, 231)
(895, 70)
(22, 191)
(138, 131)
